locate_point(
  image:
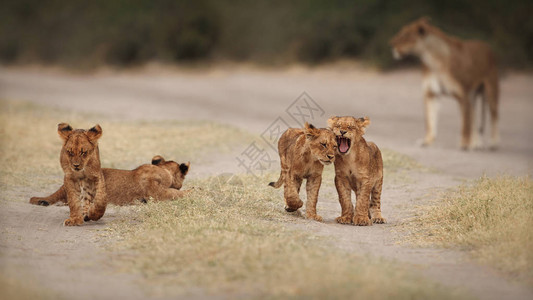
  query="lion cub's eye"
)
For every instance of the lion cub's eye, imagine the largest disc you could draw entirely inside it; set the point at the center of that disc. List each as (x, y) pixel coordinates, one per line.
(83, 153)
(70, 153)
(324, 145)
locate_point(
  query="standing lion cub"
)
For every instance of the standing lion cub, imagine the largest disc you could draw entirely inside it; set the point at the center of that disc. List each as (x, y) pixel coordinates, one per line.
(303, 154)
(84, 181)
(358, 167)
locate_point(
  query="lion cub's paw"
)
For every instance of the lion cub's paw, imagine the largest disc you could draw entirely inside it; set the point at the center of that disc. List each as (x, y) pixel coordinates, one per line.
(38, 201)
(292, 206)
(73, 222)
(379, 220)
(314, 217)
(344, 220)
(362, 221)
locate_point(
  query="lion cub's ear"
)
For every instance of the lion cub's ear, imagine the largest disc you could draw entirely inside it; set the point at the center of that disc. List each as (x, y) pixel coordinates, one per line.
(363, 123)
(157, 160)
(311, 131)
(94, 133)
(184, 168)
(331, 121)
(64, 130)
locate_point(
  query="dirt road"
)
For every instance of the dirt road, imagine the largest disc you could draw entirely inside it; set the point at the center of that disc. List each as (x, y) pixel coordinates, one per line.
(252, 99)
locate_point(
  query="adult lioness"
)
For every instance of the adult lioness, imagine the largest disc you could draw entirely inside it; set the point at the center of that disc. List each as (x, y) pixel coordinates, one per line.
(463, 69)
(160, 180)
(358, 167)
(84, 181)
(303, 154)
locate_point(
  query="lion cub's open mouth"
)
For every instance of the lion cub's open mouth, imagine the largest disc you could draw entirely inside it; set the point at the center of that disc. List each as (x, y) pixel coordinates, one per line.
(343, 144)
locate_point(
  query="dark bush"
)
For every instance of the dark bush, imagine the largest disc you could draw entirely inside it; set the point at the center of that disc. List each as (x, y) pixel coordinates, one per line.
(125, 32)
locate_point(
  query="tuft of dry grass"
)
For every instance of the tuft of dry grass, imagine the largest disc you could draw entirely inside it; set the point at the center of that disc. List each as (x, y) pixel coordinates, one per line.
(229, 238)
(491, 218)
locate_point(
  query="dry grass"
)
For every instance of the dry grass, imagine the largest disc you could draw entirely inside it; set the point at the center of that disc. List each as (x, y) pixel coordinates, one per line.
(491, 218)
(230, 239)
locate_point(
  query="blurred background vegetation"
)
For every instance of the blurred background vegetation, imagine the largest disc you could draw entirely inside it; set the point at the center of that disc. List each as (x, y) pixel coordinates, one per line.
(81, 33)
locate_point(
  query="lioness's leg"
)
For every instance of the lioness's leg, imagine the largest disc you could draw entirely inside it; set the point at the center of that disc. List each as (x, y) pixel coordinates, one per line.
(59, 196)
(375, 203)
(362, 204)
(432, 105)
(466, 113)
(345, 194)
(492, 94)
(477, 99)
(312, 186)
(291, 192)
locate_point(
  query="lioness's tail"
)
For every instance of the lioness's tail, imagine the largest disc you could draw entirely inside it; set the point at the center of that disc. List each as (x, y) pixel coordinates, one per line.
(278, 183)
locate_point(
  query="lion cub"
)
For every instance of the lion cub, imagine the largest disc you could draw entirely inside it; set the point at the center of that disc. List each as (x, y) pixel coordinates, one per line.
(303, 154)
(358, 166)
(84, 181)
(161, 180)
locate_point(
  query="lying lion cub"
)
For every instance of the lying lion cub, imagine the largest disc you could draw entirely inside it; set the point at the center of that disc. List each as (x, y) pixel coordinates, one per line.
(161, 181)
(358, 166)
(303, 154)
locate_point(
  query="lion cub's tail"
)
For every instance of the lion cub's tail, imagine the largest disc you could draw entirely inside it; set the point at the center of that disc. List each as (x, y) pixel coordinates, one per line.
(278, 183)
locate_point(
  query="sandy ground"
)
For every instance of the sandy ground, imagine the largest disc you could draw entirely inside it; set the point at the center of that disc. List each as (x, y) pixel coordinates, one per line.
(37, 249)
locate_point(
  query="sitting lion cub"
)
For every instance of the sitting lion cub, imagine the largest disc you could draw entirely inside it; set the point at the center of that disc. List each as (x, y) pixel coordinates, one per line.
(303, 154)
(161, 181)
(84, 181)
(358, 166)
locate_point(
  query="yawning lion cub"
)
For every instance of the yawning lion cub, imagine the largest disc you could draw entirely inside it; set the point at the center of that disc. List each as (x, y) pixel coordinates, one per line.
(358, 167)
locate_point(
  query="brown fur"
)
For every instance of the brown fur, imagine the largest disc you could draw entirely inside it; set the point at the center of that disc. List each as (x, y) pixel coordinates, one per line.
(463, 69)
(160, 180)
(360, 168)
(84, 181)
(303, 154)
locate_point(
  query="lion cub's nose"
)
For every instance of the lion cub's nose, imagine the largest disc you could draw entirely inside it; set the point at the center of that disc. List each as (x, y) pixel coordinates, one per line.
(343, 132)
(331, 156)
